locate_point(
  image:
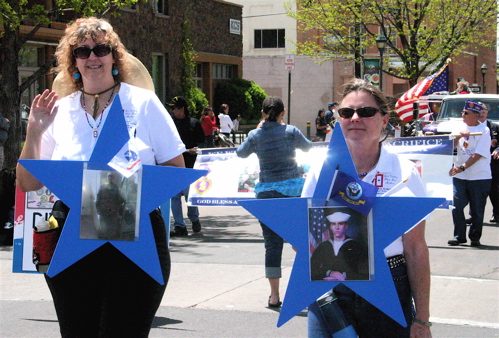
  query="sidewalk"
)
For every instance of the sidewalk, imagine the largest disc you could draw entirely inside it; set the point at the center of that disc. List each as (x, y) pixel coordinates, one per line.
(217, 286)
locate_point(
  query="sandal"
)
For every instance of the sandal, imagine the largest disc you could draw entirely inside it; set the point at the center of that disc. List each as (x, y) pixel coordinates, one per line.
(276, 305)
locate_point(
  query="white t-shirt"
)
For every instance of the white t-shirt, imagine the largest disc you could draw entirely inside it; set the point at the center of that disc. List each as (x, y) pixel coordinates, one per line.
(235, 123)
(479, 144)
(390, 171)
(226, 124)
(71, 138)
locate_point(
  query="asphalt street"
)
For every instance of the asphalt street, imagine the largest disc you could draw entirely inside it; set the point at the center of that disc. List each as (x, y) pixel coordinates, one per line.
(218, 288)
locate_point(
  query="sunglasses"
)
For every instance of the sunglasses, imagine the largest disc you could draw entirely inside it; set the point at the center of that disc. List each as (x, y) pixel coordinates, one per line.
(347, 113)
(100, 50)
(467, 112)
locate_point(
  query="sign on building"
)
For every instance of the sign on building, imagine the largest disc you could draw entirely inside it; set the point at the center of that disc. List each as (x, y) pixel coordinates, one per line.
(235, 26)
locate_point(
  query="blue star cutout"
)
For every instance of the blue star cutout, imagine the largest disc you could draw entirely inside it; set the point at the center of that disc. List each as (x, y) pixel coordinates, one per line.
(288, 217)
(64, 179)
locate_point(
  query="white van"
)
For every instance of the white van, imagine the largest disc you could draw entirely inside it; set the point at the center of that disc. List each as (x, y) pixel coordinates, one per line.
(449, 114)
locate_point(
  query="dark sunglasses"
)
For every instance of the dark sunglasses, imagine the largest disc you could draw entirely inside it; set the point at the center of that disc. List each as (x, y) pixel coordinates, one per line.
(467, 112)
(100, 50)
(347, 113)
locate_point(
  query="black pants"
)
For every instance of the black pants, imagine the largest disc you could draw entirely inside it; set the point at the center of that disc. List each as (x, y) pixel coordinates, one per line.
(107, 295)
(494, 189)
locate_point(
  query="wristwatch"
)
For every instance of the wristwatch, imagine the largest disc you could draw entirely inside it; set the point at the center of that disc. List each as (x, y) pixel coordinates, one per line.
(462, 168)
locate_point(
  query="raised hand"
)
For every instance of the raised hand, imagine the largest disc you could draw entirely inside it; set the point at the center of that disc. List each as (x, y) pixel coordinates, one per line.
(42, 113)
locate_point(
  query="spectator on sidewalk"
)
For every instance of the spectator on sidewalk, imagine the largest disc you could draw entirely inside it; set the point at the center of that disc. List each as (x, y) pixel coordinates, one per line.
(332, 113)
(235, 128)
(209, 124)
(226, 124)
(192, 134)
(471, 175)
(4, 133)
(321, 125)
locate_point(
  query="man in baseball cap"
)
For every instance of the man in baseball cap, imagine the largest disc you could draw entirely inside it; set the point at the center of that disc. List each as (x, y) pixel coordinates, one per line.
(471, 174)
(178, 102)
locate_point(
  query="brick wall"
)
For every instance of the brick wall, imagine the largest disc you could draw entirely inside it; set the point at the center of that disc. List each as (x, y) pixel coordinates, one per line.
(144, 32)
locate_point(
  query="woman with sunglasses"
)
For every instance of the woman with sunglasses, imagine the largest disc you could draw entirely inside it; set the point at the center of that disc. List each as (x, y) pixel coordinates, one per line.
(104, 294)
(275, 145)
(364, 114)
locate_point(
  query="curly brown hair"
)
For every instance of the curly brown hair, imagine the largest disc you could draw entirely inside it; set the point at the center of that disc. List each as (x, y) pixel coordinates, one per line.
(101, 31)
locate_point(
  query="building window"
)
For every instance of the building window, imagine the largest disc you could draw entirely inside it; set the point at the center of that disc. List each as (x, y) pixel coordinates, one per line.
(131, 8)
(198, 77)
(162, 7)
(221, 71)
(159, 75)
(29, 63)
(270, 38)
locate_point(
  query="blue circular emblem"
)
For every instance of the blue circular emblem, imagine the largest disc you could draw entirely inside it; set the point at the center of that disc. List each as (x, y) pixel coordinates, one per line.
(354, 191)
(131, 156)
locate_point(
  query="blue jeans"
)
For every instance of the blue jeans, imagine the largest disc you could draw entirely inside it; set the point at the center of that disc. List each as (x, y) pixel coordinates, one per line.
(176, 205)
(273, 242)
(367, 320)
(475, 193)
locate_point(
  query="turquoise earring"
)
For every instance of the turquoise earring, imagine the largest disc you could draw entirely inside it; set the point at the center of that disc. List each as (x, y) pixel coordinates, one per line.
(115, 72)
(77, 75)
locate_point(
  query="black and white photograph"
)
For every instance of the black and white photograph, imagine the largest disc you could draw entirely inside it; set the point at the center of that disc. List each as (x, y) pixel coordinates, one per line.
(109, 206)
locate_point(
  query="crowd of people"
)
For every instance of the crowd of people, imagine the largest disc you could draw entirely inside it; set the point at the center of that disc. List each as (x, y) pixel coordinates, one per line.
(89, 296)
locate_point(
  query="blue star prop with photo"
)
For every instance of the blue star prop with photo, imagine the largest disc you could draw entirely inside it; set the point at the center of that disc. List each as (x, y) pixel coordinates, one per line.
(288, 217)
(64, 179)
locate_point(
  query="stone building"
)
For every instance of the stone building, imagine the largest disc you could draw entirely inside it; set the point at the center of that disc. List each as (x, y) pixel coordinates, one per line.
(152, 32)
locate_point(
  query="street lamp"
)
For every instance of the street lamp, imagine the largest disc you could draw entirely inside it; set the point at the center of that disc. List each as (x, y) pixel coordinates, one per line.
(484, 69)
(381, 43)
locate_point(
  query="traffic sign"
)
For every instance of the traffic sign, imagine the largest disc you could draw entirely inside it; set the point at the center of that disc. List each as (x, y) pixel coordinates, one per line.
(289, 62)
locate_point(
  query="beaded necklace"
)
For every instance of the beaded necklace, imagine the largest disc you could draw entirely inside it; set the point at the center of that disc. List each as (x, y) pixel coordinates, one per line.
(367, 172)
(95, 107)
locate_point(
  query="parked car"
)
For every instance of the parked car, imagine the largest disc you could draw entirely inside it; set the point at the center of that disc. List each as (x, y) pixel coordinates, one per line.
(449, 114)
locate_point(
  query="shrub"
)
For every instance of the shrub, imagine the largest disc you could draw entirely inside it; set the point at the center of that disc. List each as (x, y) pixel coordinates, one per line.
(244, 97)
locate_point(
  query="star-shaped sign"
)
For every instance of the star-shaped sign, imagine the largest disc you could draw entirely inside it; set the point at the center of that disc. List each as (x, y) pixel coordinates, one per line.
(288, 217)
(65, 178)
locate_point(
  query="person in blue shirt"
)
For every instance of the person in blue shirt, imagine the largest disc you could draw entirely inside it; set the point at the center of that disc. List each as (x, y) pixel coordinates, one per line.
(275, 145)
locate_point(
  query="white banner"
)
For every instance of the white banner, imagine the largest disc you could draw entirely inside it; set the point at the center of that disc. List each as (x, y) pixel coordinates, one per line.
(231, 178)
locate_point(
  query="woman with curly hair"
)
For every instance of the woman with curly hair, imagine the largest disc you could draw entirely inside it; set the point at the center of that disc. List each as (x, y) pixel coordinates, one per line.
(104, 294)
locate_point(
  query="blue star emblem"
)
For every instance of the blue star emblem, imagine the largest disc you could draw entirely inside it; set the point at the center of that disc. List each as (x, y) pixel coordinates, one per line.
(288, 217)
(64, 178)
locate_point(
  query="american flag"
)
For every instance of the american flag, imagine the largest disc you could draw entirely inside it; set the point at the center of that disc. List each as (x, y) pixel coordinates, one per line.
(318, 231)
(434, 83)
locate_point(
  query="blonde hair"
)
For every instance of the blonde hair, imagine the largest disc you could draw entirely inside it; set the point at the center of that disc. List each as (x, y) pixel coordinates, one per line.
(101, 31)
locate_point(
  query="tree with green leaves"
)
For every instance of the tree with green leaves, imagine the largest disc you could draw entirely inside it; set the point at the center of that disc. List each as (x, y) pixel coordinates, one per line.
(244, 97)
(195, 97)
(17, 14)
(421, 34)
